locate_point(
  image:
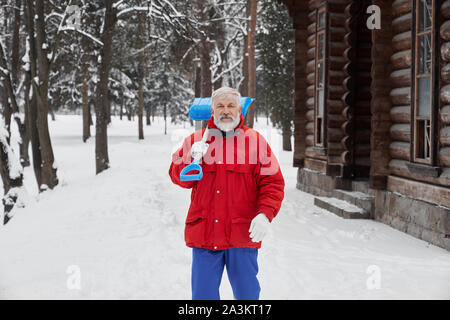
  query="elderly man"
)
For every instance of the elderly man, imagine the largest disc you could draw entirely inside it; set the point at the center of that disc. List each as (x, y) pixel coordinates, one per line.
(233, 204)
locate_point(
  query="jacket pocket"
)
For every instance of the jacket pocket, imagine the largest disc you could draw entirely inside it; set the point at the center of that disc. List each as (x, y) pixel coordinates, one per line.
(239, 231)
(194, 231)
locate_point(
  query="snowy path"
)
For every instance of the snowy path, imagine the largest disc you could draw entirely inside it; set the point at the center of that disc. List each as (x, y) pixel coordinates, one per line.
(123, 232)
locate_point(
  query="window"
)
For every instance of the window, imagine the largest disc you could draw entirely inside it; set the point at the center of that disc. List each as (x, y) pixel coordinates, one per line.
(423, 104)
(320, 76)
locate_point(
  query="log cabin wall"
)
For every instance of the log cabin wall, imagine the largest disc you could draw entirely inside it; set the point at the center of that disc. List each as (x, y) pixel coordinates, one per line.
(326, 158)
(357, 97)
(444, 132)
(417, 197)
(381, 103)
(413, 202)
(400, 94)
(401, 99)
(335, 118)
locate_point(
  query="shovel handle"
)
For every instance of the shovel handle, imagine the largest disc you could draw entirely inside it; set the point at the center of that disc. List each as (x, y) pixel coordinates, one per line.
(194, 166)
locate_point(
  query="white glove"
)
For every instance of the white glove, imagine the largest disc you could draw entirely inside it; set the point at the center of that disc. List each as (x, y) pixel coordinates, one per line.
(259, 227)
(199, 149)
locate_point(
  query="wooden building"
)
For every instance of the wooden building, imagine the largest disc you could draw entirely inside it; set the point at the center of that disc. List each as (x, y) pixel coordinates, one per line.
(372, 110)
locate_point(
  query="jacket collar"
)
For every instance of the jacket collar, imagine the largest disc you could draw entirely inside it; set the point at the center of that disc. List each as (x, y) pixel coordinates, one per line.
(236, 130)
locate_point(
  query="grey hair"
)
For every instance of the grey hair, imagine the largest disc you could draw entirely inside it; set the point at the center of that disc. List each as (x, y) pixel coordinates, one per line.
(226, 92)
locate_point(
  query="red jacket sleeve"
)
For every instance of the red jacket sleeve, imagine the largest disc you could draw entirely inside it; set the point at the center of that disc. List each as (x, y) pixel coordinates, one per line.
(270, 181)
(180, 159)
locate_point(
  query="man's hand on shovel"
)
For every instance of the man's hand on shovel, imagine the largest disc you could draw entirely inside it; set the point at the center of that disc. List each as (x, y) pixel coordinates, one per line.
(199, 149)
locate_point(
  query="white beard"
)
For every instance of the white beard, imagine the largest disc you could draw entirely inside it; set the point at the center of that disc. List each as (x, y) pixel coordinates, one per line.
(228, 126)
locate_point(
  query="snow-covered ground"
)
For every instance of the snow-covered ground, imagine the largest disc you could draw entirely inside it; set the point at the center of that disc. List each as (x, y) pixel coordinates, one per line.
(120, 234)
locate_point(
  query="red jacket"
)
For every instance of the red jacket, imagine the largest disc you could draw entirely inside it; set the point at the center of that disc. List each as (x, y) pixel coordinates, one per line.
(235, 187)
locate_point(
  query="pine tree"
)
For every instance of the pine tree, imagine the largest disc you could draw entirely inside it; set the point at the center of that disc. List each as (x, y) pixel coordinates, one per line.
(275, 44)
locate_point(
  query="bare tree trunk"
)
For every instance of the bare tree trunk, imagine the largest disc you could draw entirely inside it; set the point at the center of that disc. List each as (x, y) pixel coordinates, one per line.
(102, 99)
(244, 83)
(85, 100)
(206, 85)
(165, 119)
(48, 172)
(141, 74)
(287, 133)
(147, 115)
(251, 63)
(12, 181)
(141, 112)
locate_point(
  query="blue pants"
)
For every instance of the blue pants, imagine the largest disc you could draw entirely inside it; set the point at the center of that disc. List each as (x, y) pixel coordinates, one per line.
(207, 270)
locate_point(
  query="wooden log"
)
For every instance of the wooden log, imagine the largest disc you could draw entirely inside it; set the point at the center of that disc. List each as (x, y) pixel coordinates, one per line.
(314, 4)
(445, 73)
(402, 23)
(310, 140)
(310, 115)
(337, 19)
(314, 164)
(311, 78)
(337, 48)
(401, 96)
(311, 54)
(444, 156)
(335, 106)
(310, 103)
(401, 114)
(311, 66)
(336, 63)
(347, 113)
(347, 142)
(310, 90)
(399, 150)
(311, 41)
(445, 30)
(445, 9)
(444, 136)
(335, 92)
(309, 128)
(401, 7)
(348, 98)
(401, 132)
(335, 149)
(335, 120)
(347, 128)
(312, 16)
(310, 152)
(402, 41)
(401, 78)
(445, 51)
(445, 114)
(311, 28)
(401, 60)
(445, 94)
(346, 157)
(336, 77)
(335, 134)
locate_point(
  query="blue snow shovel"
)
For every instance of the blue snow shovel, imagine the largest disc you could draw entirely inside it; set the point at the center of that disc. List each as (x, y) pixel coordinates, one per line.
(201, 110)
